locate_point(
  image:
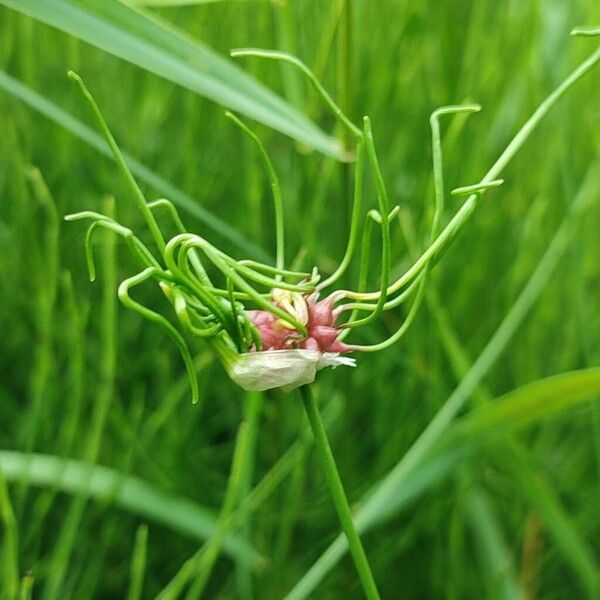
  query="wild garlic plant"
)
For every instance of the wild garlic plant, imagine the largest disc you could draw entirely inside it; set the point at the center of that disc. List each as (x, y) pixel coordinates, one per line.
(274, 327)
(267, 324)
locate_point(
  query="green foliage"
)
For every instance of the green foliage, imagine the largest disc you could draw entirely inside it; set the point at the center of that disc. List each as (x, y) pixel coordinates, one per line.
(455, 494)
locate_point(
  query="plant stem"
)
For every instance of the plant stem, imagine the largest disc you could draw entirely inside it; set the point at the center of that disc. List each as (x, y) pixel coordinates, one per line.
(337, 493)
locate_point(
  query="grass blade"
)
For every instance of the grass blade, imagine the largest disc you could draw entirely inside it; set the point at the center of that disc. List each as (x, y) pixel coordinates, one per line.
(9, 548)
(161, 49)
(495, 555)
(127, 492)
(532, 402)
(138, 563)
(170, 3)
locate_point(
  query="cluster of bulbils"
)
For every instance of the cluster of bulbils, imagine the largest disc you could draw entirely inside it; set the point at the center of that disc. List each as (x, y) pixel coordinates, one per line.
(318, 316)
(289, 359)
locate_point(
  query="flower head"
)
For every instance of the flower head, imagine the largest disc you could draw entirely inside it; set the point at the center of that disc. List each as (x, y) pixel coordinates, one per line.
(318, 317)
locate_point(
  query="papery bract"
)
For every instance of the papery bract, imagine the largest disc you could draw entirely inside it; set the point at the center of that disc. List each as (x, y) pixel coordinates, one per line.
(287, 369)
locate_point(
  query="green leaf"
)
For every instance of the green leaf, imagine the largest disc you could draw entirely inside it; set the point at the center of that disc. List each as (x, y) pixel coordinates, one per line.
(160, 48)
(532, 402)
(170, 3)
(494, 551)
(125, 491)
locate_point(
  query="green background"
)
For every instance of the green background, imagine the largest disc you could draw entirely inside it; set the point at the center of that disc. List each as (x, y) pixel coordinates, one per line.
(82, 378)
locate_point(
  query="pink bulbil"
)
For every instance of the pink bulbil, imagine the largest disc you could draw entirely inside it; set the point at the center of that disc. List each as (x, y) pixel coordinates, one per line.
(322, 331)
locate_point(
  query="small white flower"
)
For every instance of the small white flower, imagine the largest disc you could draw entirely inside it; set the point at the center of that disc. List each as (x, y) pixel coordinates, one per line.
(287, 369)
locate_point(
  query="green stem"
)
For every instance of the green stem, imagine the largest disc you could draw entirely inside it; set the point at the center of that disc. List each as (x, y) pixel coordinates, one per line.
(275, 188)
(9, 548)
(337, 493)
(120, 160)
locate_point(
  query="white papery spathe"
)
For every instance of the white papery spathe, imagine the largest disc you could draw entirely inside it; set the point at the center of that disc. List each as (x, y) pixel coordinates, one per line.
(287, 369)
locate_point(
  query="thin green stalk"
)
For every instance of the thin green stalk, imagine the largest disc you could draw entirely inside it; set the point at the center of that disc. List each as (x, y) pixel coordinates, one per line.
(285, 28)
(45, 306)
(138, 563)
(345, 81)
(241, 475)
(253, 409)
(154, 317)
(363, 270)
(298, 64)
(9, 549)
(495, 554)
(135, 188)
(275, 188)
(384, 213)
(293, 502)
(355, 219)
(346, 72)
(337, 493)
(76, 348)
(329, 26)
(27, 582)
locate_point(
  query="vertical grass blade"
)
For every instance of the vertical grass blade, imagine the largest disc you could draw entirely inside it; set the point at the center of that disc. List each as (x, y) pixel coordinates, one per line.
(9, 549)
(138, 563)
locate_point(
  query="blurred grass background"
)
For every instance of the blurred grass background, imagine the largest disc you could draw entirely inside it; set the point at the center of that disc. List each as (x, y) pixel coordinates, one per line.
(81, 378)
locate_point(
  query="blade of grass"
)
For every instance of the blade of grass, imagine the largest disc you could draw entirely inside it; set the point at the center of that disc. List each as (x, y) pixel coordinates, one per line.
(9, 548)
(159, 48)
(44, 314)
(138, 563)
(530, 403)
(499, 568)
(172, 3)
(163, 187)
(199, 567)
(127, 492)
(253, 410)
(565, 533)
